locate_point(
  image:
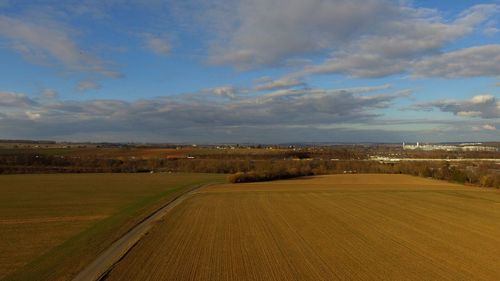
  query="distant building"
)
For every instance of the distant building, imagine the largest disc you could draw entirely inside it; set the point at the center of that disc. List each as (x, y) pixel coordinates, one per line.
(430, 147)
(478, 148)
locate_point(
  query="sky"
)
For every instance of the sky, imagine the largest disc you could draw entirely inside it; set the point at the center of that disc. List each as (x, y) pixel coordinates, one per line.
(250, 71)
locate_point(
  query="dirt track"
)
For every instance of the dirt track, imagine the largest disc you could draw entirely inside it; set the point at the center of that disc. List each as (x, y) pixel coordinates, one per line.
(102, 264)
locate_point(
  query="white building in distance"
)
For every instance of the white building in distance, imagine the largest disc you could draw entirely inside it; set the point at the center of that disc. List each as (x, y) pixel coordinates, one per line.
(462, 147)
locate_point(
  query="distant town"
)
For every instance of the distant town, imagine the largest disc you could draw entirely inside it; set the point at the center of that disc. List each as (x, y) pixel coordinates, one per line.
(461, 147)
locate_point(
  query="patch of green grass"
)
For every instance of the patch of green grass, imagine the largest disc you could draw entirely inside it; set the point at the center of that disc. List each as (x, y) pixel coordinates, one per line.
(38, 151)
(122, 199)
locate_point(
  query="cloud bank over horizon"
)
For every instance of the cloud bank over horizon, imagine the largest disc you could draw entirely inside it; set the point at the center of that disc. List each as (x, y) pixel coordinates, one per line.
(250, 71)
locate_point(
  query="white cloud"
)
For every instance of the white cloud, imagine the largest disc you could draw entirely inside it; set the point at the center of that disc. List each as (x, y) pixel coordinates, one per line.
(469, 113)
(269, 32)
(224, 91)
(485, 127)
(33, 115)
(483, 99)
(192, 116)
(281, 116)
(491, 31)
(158, 44)
(279, 84)
(86, 85)
(469, 62)
(365, 37)
(358, 65)
(49, 42)
(15, 100)
(420, 35)
(483, 106)
(50, 93)
(490, 28)
(489, 127)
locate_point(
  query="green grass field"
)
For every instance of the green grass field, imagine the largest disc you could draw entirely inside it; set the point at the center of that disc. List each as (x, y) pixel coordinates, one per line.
(53, 225)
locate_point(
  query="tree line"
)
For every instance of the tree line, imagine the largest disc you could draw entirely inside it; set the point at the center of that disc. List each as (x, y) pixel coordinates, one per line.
(246, 169)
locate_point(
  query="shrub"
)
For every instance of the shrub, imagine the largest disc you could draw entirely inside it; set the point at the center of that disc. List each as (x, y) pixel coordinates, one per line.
(274, 174)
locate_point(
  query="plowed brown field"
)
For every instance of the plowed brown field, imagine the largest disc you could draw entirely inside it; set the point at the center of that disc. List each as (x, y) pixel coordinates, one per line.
(340, 227)
(52, 225)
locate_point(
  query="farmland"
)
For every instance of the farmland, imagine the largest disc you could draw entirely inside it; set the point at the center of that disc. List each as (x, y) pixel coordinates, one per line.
(53, 225)
(256, 162)
(338, 227)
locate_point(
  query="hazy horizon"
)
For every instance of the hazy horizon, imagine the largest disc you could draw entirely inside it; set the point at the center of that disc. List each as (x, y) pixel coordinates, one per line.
(250, 71)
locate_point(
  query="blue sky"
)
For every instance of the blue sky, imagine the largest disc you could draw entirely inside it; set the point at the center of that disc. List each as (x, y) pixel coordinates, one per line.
(250, 70)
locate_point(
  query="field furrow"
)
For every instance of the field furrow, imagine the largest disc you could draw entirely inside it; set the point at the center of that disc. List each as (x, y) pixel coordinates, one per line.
(341, 227)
